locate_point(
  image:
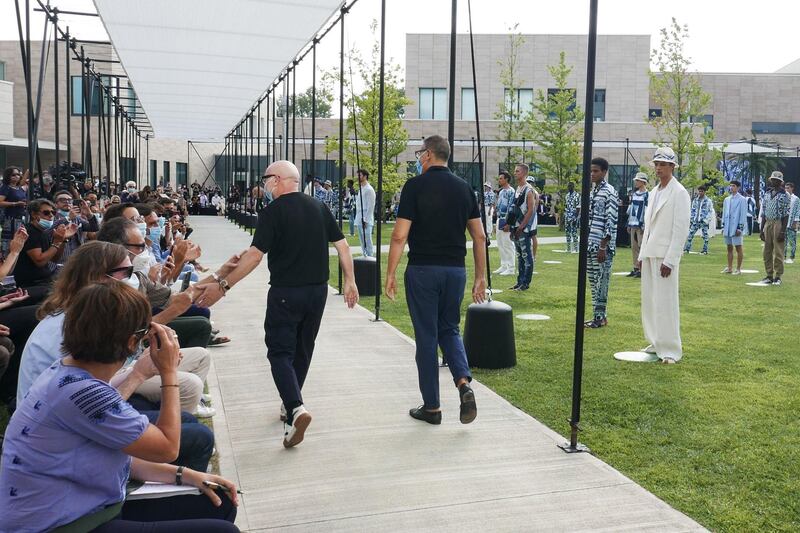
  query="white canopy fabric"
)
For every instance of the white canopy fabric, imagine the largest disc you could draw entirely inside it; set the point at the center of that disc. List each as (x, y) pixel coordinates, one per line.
(198, 66)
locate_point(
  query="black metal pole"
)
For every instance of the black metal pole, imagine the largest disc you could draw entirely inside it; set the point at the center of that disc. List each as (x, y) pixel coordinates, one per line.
(55, 83)
(286, 116)
(381, 139)
(341, 131)
(451, 97)
(313, 113)
(44, 55)
(577, 369)
(268, 143)
(67, 61)
(83, 110)
(275, 152)
(294, 115)
(29, 88)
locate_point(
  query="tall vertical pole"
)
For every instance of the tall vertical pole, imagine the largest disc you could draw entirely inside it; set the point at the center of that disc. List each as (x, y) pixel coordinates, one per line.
(83, 110)
(99, 141)
(451, 96)
(577, 368)
(67, 61)
(258, 134)
(313, 111)
(29, 87)
(275, 152)
(341, 130)
(294, 114)
(286, 115)
(55, 83)
(381, 142)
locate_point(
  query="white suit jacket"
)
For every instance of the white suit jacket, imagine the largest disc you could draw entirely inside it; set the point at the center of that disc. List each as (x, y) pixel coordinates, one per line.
(666, 224)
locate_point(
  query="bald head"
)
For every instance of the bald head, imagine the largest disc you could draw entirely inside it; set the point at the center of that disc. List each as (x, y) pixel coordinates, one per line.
(283, 178)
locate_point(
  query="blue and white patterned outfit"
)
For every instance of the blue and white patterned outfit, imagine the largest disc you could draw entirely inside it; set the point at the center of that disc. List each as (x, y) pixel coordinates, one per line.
(603, 208)
(791, 233)
(701, 207)
(572, 206)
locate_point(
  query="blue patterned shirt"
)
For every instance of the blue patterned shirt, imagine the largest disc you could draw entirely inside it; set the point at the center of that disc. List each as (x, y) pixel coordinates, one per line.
(504, 199)
(775, 206)
(636, 209)
(603, 215)
(701, 207)
(572, 203)
(488, 199)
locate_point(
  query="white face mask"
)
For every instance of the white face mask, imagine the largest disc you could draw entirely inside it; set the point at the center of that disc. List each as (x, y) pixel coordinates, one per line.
(141, 262)
(132, 281)
(142, 227)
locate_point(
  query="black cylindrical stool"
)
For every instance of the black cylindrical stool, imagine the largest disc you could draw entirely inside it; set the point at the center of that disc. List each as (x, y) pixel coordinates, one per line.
(364, 269)
(489, 335)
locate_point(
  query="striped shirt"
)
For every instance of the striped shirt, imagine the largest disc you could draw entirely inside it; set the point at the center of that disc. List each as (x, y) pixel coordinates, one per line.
(775, 205)
(571, 205)
(636, 209)
(603, 215)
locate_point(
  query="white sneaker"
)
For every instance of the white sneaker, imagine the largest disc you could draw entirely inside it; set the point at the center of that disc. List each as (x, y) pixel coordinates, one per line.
(204, 411)
(725, 270)
(499, 270)
(649, 349)
(789, 261)
(736, 272)
(283, 412)
(206, 398)
(294, 432)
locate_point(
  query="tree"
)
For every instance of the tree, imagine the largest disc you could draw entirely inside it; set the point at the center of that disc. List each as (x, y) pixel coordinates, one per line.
(555, 125)
(683, 105)
(305, 99)
(509, 112)
(366, 123)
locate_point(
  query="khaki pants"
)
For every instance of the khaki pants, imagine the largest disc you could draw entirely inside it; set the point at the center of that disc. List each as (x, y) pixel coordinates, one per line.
(192, 372)
(773, 250)
(636, 243)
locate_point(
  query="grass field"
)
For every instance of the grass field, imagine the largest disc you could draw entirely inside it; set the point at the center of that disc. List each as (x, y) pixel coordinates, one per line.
(716, 436)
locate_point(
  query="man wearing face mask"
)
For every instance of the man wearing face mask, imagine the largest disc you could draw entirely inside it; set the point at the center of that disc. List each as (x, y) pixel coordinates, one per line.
(80, 216)
(130, 193)
(45, 246)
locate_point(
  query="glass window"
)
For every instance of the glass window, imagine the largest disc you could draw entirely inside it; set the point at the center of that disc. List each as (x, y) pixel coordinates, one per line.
(708, 119)
(2, 70)
(654, 112)
(552, 92)
(523, 103)
(180, 173)
(95, 93)
(599, 110)
(131, 102)
(153, 171)
(165, 177)
(432, 103)
(789, 128)
(467, 103)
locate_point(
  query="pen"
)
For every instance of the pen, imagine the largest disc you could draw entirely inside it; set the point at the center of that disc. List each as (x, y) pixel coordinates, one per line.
(223, 488)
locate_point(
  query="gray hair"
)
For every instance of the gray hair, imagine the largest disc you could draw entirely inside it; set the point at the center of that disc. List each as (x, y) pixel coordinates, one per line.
(525, 168)
(438, 146)
(116, 230)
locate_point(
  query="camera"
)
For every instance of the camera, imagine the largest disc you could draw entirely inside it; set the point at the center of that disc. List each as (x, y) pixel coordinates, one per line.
(64, 174)
(8, 285)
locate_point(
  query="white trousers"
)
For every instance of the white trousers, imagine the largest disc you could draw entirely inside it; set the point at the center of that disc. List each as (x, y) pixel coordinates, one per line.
(661, 318)
(192, 372)
(506, 248)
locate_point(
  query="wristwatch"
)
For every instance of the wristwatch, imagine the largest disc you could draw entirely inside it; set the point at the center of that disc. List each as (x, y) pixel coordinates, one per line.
(224, 285)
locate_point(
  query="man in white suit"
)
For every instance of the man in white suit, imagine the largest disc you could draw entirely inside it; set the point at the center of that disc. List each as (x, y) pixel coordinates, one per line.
(665, 228)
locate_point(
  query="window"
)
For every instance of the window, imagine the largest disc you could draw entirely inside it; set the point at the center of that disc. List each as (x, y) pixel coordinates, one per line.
(599, 110)
(432, 104)
(523, 103)
(180, 173)
(786, 128)
(153, 173)
(2, 70)
(128, 169)
(165, 177)
(553, 92)
(467, 103)
(95, 92)
(654, 112)
(131, 102)
(700, 119)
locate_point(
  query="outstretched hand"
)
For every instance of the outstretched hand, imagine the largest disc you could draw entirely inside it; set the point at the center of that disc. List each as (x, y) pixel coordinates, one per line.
(207, 294)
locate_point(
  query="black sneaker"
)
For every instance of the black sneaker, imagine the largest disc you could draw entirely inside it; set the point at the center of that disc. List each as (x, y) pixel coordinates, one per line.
(638, 274)
(776, 281)
(631, 274)
(443, 364)
(426, 416)
(515, 287)
(523, 287)
(767, 281)
(469, 410)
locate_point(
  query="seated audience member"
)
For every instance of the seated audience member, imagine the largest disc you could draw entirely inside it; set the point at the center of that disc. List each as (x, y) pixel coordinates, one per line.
(81, 216)
(74, 442)
(38, 263)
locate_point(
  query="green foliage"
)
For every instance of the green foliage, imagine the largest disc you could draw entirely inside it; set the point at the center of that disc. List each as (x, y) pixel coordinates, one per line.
(683, 102)
(509, 113)
(304, 101)
(366, 121)
(556, 125)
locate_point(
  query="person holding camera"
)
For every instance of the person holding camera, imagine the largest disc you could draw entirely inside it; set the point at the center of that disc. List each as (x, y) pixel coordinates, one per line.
(13, 199)
(44, 249)
(75, 211)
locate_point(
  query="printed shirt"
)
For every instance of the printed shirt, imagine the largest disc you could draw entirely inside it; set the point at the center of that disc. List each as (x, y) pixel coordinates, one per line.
(775, 206)
(751, 206)
(504, 199)
(488, 198)
(572, 203)
(794, 209)
(636, 209)
(603, 215)
(701, 207)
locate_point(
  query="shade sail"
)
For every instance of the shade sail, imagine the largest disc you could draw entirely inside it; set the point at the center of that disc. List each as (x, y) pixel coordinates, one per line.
(199, 65)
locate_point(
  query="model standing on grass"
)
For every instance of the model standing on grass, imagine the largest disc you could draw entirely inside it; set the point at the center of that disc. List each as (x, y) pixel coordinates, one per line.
(701, 208)
(792, 225)
(734, 222)
(572, 217)
(665, 226)
(636, 211)
(603, 207)
(774, 220)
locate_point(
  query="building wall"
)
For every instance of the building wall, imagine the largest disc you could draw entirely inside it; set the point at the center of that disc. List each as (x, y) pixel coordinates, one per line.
(6, 110)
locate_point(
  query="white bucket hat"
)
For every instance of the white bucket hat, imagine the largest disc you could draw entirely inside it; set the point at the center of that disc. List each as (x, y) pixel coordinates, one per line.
(665, 154)
(776, 175)
(641, 176)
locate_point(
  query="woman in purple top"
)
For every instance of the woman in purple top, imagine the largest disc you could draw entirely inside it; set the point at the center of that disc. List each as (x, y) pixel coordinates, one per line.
(73, 442)
(13, 199)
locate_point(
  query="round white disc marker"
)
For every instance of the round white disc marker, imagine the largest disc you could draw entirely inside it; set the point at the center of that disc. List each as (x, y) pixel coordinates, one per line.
(749, 271)
(561, 251)
(636, 357)
(620, 273)
(533, 317)
(551, 262)
(758, 284)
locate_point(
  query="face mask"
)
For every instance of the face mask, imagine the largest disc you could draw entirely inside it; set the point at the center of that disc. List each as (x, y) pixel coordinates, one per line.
(419, 167)
(99, 217)
(141, 263)
(63, 212)
(161, 222)
(155, 234)
(132, 281)
(46, 224)
(131, 190)
(142, 227)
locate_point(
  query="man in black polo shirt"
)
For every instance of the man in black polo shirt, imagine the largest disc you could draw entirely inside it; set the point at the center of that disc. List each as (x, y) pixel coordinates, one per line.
(294, 230)
(44, 247)
(435, 208)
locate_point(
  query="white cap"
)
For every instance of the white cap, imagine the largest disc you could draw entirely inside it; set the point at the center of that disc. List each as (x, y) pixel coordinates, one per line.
(776, 175)
(665, 154)
(641, 176)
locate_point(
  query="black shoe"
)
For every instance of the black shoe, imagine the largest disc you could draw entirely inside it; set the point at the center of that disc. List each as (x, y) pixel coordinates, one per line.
(638, 274)
(767, 281)
(776, 281)
(443, 364)
(514, 288)
(596, 323)
(426, 416)
(523, 287)
(704, 252)
(631, 274)
(469, 410)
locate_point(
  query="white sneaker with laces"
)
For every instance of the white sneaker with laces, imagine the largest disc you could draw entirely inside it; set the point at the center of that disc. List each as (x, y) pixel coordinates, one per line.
(725, 270)
(294, 432)
(649, 349)
(283, 412)
(204, 411)
(789, 261)
(736, 272)
(499, 270)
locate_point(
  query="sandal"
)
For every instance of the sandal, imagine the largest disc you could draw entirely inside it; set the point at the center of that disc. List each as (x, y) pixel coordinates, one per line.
(218, 340)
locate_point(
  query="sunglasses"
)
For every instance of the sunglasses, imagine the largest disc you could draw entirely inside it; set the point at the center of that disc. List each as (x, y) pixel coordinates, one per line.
(135, 245)
(128, 271)
(47, 213)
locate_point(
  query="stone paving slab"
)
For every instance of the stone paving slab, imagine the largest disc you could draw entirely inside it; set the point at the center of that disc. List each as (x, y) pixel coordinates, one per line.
(365, 464)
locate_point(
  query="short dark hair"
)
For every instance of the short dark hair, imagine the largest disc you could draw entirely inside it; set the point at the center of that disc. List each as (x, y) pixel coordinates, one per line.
(62, 191)
(144, 209)
(525, 168)
(702, 188)
(166, 201)
(116, 230)
(438, 146)
(506, 176)
(736, 182)
(36, 205)
(789, 184)
(115, 210)
(115, 312)
(364, 172)
(7, 174)
(600, 162)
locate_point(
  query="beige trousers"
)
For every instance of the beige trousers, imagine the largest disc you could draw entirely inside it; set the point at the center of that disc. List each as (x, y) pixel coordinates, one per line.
(636, 243)
(192, 372)
(661, 318)
(773, 250)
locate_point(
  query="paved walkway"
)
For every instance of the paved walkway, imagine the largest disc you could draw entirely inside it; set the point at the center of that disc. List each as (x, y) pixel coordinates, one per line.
(365, 465)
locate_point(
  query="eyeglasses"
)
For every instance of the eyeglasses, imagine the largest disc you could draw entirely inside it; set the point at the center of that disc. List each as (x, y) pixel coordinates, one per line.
(128, 270)
(419, 153)
(47, 213)
(142, 333)
(63, 200)
(141, 246)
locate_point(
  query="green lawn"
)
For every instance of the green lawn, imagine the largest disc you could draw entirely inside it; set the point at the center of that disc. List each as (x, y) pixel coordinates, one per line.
(386, 234)
(716, 436)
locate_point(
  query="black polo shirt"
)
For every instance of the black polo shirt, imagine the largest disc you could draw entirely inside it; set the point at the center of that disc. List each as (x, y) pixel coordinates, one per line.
(438, 203)
(294, 230)
(26, 273)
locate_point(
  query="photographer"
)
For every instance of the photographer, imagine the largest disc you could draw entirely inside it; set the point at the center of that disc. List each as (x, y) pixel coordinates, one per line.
(129, 194)
(77, 212)
(13, 199)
